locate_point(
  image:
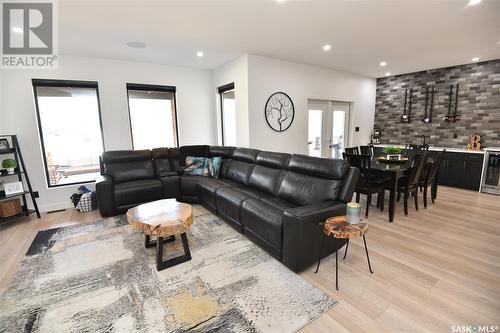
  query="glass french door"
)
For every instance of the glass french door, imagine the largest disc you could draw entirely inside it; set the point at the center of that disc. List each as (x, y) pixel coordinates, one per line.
(328, 128)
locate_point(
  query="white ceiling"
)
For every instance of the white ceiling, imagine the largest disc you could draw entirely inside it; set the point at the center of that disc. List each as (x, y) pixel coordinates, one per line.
(409, 35)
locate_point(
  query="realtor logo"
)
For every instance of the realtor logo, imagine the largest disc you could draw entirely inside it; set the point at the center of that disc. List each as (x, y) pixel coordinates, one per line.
(28, 35)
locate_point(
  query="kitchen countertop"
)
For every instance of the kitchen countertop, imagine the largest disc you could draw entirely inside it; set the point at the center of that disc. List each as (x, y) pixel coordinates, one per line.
(452, 150)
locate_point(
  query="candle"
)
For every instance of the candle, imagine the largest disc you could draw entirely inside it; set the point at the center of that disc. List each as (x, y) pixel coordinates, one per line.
(353, 212)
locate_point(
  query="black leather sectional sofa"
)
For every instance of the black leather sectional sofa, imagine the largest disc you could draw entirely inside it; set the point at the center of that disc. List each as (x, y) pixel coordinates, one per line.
(275, 199)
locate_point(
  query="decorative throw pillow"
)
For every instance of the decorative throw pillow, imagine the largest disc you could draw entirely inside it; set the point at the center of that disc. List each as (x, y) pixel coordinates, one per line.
(196, 166)
(213, 165)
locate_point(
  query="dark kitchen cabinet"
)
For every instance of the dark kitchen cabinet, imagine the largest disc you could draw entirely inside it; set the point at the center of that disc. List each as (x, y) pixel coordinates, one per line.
(461, 170)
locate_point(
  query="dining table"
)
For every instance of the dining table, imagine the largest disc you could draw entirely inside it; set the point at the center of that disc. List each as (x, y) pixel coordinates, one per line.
(395, 171)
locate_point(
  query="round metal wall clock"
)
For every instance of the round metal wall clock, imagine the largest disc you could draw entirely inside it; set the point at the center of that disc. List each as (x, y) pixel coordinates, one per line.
(279, 111)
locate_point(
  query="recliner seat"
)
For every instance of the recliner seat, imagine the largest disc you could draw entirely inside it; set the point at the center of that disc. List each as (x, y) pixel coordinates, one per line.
(276, 199)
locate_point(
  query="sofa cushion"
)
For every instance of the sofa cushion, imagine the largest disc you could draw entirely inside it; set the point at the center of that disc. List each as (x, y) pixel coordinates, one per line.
(267, 198)
(206, 188)
(175, 160)
(229, 182)
(171, 186)
(188, 185)
(277, 202)
(137, 191)
(162, 163)
(224, 166)
(239, 171)
(213, 164)
(229, 201)
(319, 167)
(126, 165)
(264, 221)
(196, 166)
(302, 189)
(266, 179)
(273, 160)
(245, 155)
(253, 192)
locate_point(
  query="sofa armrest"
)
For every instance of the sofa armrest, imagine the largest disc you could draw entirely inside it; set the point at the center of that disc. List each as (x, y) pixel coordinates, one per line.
(348, 185)
(303, 234)
(105, 189)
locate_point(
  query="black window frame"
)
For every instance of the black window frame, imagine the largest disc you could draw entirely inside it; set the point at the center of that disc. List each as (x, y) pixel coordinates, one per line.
(221, 90)
(156, 88)
(64, 84)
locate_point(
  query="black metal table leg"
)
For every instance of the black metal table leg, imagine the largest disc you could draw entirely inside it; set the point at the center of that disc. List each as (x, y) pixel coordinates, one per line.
(320, 252)
(337, 270)
(185, 245)
(367, 256)
(160, 264)
(148, 243)
(346, 247)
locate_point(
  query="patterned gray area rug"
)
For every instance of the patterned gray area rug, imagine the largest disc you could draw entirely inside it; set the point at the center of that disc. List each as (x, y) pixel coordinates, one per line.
(98, 277)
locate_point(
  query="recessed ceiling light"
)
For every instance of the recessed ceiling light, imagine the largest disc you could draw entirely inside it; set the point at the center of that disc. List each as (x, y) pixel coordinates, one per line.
(280, 0)
(474, 2)
(327, 47)
(136, 45)
(17, 30)
(383, 63)
(199, 54)
(475, 59)
(387, 74)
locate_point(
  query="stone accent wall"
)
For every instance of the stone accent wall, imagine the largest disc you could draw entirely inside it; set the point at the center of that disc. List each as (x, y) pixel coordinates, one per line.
(478, 105)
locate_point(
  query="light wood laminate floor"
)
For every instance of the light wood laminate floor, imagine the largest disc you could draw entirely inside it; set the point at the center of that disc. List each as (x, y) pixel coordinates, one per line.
(436, 268)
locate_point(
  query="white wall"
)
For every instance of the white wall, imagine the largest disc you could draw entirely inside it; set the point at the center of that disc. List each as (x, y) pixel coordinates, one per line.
(2, 121)
(195, 106)
(303, 82)
(237, 72)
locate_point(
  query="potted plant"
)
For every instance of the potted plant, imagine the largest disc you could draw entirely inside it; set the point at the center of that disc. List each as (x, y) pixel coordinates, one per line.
(392, 153)
(10, 165)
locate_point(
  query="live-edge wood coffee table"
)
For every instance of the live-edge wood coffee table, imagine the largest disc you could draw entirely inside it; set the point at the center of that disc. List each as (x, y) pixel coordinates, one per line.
(163, 219)
(338, 227)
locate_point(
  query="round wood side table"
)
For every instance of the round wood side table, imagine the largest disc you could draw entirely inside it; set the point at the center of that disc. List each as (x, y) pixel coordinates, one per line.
(163, 219)
(338, 227)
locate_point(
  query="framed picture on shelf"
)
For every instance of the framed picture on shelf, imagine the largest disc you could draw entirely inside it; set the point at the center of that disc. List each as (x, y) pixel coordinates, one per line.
(4, 145)
(13, 188)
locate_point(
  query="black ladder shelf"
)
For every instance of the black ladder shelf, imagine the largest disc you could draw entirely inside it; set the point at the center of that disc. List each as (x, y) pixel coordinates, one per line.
(22, 176)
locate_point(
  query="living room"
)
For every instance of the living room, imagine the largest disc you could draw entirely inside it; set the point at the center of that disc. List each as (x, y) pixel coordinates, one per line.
(233, 150)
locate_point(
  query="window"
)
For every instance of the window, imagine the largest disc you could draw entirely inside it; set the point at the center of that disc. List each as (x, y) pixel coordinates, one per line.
(153, 117)
(228, 114)
(69, 122)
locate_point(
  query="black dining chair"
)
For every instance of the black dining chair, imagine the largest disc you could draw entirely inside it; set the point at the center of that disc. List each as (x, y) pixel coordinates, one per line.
(409, 185)
(429, 177)
(352, 150)
(366, 150)
(368, 182)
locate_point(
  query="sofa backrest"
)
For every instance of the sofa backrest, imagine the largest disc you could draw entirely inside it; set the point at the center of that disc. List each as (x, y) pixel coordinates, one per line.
(311, 179)
(193, 150)
(269, 171)
(125, 165)
(175, 159)
(242, 164)
(162, 162)
(226, 153)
